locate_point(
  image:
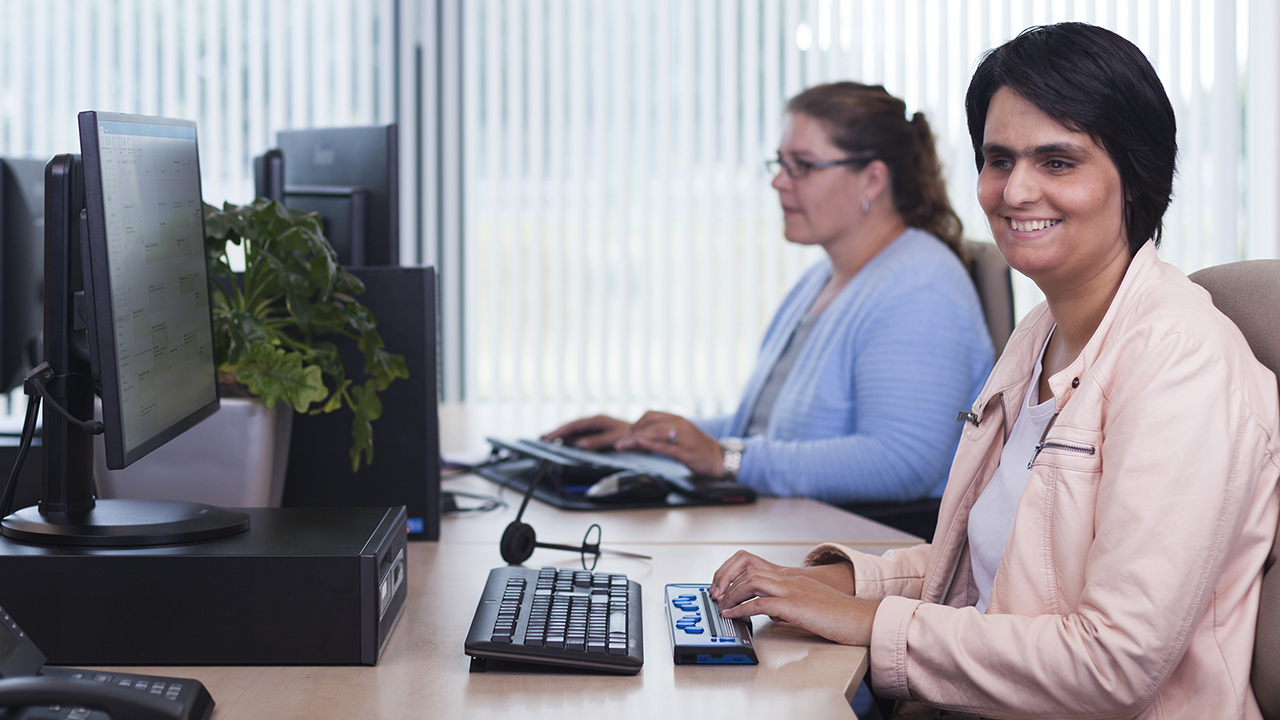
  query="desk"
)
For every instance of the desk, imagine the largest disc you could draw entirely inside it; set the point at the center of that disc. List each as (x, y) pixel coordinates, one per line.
(768, 521)
(424, 673)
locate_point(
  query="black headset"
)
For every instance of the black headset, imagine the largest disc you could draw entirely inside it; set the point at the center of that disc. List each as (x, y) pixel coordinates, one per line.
(519, 539)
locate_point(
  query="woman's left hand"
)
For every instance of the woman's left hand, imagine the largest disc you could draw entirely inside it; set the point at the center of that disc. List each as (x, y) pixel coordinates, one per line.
(677, 438)
(802, 601)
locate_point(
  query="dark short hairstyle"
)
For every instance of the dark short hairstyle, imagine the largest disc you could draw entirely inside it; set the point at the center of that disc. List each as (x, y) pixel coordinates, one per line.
(1091, 80)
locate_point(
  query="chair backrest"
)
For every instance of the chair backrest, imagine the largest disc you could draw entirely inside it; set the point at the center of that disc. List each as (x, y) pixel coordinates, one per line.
(991, 277)
(1249, 293)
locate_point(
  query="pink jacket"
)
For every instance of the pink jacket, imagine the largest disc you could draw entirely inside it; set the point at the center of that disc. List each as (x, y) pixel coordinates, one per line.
(1130, 581)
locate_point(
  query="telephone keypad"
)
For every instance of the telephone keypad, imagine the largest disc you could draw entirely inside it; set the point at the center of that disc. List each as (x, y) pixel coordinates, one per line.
(168, 688)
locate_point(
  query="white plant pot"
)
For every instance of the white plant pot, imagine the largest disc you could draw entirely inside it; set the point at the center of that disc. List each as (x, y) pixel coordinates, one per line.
(236, 457)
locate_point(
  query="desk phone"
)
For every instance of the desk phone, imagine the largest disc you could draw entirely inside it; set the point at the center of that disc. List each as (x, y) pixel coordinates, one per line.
(29, 689)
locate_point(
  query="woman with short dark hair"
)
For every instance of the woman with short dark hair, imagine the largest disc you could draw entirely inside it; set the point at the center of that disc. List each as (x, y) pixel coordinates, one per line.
(1061, 72)
(1100, 545)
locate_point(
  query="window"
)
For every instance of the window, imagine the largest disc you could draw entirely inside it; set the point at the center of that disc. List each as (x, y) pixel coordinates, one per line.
(587, 174)
(621, 248)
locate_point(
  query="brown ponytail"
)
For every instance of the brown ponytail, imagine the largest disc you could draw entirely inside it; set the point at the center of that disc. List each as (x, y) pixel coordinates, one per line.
(865, 120)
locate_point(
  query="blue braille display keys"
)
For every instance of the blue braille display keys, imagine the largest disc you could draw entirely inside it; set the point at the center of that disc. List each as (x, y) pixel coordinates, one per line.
(700, 636)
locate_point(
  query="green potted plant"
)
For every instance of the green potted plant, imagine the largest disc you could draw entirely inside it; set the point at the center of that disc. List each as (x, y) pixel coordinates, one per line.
(275, 323)
(274, 327)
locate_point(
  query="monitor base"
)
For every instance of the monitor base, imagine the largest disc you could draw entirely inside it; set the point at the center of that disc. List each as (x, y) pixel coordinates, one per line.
(125, 523)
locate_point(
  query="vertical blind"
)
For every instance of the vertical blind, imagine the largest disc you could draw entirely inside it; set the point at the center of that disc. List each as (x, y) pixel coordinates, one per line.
(618, 245)
(242, 69)
(622, 245)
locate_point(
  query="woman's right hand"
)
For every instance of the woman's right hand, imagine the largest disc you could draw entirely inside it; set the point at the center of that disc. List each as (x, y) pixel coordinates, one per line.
(838, 576)
(593, 433)
(819, 598)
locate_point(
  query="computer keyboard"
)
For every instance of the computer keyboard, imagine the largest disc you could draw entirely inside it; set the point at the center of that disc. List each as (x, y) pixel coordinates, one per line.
(558, 616)
(658, 466)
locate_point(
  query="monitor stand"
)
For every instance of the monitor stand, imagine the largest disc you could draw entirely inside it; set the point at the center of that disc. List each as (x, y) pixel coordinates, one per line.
(121, 523)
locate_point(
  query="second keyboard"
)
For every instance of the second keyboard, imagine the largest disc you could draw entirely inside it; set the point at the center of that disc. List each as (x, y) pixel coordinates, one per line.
(572, 618)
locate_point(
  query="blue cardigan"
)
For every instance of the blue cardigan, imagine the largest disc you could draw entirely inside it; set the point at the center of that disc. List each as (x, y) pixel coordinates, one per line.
(868, 411)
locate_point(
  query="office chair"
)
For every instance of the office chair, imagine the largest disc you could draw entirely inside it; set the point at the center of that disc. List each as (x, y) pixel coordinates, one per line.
(1249, 293)
(991, 277)
(994, 284)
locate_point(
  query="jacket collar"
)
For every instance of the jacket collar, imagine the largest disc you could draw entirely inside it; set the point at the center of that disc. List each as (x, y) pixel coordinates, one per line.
(1144, 269)
(1013, 371)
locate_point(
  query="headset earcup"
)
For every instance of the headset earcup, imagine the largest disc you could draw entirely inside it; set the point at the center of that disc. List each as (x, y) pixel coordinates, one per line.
(517, 544)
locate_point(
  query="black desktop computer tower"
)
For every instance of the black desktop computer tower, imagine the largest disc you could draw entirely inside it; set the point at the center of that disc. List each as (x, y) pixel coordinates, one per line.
(406, 439)
(303, 586)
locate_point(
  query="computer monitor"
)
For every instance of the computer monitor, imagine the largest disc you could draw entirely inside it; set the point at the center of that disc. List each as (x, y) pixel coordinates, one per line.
(146, 315)
(343, 212)
(342, 173)
(268, 175)
(21, 268)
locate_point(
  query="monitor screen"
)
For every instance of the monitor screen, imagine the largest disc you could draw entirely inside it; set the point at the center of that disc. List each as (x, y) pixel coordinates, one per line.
(149, 281)
(21, 267)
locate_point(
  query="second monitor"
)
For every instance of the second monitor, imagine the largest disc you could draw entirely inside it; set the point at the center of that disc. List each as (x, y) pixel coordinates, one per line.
(21, 268)
(351, 177)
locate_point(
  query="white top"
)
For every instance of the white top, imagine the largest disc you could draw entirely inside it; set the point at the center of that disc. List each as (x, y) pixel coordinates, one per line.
(991, 517)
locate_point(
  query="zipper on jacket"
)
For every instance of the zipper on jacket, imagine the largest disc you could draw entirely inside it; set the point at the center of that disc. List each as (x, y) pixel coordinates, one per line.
(1004, 413)
(970, 416)
(955, 567)
(1073, 447)
(1043, 435)
(1062, 445)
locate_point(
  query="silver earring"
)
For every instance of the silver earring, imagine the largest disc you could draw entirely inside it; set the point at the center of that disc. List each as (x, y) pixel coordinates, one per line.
(866, 206)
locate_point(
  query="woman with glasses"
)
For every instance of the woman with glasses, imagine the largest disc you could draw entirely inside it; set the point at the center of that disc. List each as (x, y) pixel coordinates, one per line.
(1112, 502)
(865, 365)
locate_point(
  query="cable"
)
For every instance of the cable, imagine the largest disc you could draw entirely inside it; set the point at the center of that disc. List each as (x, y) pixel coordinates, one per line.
(449, 502)
(453, 468)
(35, 380)
(33, 386)
(543, 468)
(28, 432)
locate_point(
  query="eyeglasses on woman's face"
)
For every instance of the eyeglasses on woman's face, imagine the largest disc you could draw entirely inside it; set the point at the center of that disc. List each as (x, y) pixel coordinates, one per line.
(798, 169)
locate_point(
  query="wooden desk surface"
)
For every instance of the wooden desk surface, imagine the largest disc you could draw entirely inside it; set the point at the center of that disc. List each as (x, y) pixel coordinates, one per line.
(770, 521)
(423, 671)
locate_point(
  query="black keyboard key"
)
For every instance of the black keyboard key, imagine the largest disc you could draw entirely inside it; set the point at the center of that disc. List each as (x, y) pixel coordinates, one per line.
(618, 623)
